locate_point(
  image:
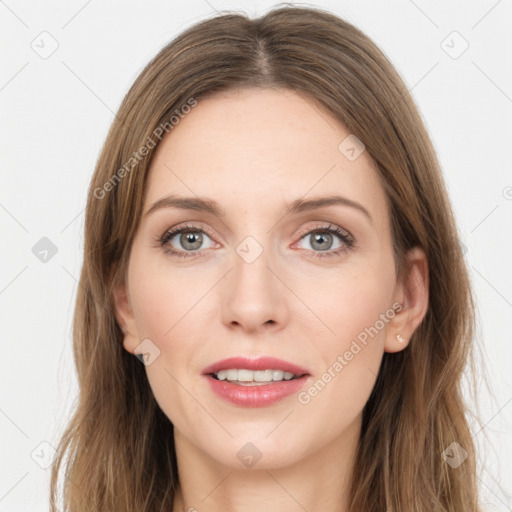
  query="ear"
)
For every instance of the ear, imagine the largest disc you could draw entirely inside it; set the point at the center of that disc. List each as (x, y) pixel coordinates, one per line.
(125, 317)
(413, 295)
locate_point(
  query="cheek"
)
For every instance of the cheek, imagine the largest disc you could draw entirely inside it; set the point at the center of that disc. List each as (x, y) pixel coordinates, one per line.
(165, 298)
(168, 307)
(354, 312)
(161, 312)
(348, 303)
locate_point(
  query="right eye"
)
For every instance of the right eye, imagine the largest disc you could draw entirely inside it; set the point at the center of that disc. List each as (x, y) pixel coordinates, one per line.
(191, 239)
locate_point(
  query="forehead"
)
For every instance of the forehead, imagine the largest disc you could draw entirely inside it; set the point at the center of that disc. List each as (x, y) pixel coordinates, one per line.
(255, 147)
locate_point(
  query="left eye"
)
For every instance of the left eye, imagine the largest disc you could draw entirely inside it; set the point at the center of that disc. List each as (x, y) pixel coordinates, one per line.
(322, 240)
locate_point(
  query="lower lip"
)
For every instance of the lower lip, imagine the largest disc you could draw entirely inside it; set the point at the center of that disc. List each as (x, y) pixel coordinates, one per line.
(256, 396)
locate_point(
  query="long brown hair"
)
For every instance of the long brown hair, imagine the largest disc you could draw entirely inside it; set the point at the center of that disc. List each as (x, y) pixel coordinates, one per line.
(119, 444)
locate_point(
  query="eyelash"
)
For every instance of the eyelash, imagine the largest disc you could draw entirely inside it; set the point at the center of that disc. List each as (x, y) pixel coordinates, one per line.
(346, 238)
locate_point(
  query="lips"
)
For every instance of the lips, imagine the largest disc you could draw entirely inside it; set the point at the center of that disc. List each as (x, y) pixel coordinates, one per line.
(262, 363)
(260, 395)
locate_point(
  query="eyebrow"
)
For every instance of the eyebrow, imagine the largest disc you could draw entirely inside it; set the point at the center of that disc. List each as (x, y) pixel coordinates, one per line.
(200, 204)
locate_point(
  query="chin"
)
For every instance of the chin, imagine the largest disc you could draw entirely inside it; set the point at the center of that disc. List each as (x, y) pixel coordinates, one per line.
(256, 453)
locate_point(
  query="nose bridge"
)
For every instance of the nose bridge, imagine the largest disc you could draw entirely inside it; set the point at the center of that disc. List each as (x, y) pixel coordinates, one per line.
(251, 274)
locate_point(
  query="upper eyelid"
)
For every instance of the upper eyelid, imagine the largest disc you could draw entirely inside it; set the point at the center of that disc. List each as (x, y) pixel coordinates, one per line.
(326, 226)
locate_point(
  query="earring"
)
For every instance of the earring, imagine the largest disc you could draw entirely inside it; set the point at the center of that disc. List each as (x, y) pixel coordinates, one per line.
(399, 338)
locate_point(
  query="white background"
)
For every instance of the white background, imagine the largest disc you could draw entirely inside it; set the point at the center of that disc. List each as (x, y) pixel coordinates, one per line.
(55, 113)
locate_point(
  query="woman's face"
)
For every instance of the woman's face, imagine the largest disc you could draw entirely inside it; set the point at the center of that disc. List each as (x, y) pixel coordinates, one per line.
(261, 281)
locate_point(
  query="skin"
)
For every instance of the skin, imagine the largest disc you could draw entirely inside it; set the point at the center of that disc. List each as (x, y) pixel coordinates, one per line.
(253, 152)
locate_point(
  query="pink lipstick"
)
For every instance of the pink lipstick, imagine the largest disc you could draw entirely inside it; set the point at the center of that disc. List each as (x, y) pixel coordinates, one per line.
(255, 382)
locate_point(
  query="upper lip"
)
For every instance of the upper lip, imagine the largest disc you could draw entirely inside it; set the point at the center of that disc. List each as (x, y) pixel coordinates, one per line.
(261, 363)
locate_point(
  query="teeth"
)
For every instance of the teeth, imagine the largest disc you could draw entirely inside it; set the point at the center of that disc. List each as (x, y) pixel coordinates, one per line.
(235, 375)
(277, 374)
(228, 375)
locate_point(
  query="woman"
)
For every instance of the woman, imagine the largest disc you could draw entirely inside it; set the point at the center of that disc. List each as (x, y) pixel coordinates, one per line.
(226, 360)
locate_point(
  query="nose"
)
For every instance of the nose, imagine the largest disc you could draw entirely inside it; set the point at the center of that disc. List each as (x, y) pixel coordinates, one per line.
(253, 295)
